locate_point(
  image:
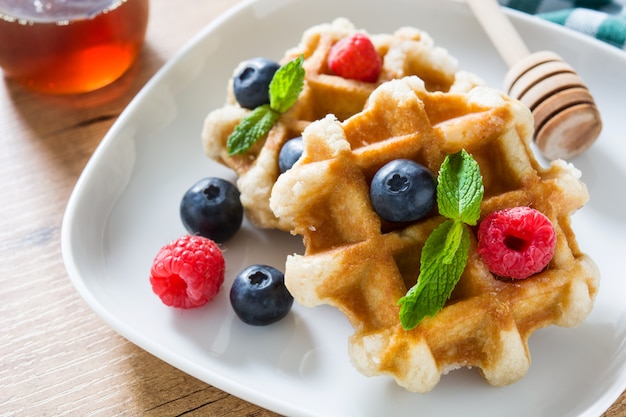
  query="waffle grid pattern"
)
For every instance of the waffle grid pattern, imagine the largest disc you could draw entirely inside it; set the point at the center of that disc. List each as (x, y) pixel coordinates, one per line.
(362, 266)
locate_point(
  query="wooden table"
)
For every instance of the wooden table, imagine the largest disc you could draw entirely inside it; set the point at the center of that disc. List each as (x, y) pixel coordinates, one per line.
(58, 357)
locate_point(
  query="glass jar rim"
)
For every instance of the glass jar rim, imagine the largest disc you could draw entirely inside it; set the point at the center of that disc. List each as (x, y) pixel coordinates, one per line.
(54, 11)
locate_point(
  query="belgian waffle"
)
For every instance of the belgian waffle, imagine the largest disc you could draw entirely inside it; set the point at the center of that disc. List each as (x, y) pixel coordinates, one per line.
(363, 266)
(408, 51)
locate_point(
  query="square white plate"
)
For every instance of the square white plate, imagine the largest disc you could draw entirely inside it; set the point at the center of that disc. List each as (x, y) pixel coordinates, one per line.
(125, 207)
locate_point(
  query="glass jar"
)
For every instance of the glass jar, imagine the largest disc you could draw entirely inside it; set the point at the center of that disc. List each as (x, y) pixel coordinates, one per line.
(70, 46)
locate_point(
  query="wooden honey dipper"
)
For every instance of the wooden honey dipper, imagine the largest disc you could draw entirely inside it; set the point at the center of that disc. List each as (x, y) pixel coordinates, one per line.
(567, 120)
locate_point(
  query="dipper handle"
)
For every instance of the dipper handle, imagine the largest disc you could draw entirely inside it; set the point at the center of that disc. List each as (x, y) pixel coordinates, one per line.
(500, 31)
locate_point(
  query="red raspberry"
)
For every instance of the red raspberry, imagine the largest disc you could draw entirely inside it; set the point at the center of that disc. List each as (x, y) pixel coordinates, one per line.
(516, 242)
(355, 58)
(188, 272)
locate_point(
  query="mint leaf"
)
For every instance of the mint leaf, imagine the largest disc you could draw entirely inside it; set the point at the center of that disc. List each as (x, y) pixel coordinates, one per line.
(286, 85)
(454, 241)
(460, 189)
(442, 263)
(252, 127)
(284, 90)
(444, 255)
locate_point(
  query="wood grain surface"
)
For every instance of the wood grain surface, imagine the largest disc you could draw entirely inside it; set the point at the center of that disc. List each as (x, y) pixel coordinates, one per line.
(58, 358)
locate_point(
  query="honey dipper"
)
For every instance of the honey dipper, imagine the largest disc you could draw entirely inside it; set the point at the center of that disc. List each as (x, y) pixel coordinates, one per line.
(567, 120)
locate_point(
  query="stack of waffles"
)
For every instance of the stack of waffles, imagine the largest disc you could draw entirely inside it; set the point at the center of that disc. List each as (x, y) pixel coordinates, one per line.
(422, 108)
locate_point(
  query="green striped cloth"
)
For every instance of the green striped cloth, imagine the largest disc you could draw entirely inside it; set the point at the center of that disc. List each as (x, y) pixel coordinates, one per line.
(602, 19)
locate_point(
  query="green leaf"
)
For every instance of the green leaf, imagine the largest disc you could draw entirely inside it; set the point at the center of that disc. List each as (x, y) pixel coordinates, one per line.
(444, 257)
(460, 188)
(284, 90)
(252, 127)
(454, 240)
(286, 85)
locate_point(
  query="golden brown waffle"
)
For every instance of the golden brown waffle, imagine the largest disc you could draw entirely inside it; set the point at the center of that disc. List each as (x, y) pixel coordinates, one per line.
(363, 266)
(408, 51)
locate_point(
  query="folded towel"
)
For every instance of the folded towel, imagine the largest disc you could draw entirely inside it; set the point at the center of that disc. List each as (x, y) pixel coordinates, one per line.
(603, 19)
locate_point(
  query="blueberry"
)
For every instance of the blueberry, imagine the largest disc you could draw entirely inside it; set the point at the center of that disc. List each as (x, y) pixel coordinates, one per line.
(252, 80)
(259, 296)
(290, 153)
(211, 208)
(403, 191)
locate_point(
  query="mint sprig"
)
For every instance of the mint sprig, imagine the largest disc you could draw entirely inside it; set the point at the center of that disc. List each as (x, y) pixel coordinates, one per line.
(284, 89)
(460, 189)
(444, 255)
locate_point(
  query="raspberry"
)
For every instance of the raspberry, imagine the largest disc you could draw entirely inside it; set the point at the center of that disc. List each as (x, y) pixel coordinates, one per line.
(516, 242)
(187, 272)
(355, 58)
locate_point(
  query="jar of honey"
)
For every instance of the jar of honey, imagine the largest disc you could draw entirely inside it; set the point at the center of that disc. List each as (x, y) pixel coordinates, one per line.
(70, 46)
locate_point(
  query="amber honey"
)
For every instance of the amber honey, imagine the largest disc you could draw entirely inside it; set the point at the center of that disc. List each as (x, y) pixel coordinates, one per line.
(61, 47)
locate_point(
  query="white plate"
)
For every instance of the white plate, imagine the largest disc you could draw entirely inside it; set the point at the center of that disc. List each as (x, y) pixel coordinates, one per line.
(125, 207)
